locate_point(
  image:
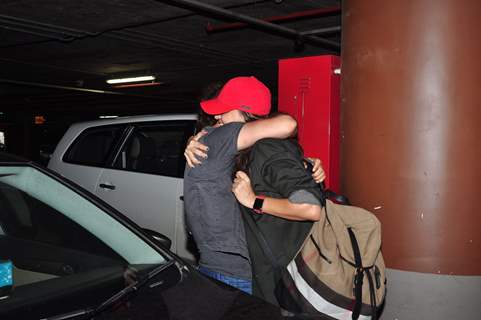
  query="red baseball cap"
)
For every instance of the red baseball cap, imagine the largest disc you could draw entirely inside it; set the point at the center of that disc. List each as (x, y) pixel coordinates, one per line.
(242, 93)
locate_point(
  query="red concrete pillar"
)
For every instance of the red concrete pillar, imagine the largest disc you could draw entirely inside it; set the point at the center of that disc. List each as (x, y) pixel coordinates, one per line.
(411, 128)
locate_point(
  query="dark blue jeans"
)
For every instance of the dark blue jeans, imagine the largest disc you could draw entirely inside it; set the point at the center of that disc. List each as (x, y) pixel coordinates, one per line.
(241, 284)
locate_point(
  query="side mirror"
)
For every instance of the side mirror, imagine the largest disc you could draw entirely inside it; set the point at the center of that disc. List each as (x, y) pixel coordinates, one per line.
(159, 238)
(6, 279)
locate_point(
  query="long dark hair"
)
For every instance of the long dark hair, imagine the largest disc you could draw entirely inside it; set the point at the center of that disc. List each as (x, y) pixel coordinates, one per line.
(209, 92)
(241, 161)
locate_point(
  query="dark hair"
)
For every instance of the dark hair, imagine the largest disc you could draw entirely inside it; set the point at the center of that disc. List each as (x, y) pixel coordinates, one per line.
(242, 159)
(209, 92)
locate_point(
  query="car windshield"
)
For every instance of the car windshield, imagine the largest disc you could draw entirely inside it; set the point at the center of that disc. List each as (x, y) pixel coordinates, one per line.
(55, 240)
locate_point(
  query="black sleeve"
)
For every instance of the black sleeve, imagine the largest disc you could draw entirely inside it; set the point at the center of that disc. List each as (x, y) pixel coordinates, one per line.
(284, 171)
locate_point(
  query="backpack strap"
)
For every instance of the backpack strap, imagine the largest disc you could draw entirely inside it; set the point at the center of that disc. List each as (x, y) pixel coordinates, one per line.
(358, 279)
(372, 295)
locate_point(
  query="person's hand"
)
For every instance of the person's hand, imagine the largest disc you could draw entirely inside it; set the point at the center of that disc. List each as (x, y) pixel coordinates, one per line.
(242, 189)
(318, 173)
(195, 150)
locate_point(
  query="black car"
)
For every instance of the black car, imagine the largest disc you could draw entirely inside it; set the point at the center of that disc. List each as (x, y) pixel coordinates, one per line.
(65, 254)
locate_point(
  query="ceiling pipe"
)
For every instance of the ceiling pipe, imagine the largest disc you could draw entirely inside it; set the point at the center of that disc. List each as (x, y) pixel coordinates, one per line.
(322, 31)
(307, 14)
(256, 23)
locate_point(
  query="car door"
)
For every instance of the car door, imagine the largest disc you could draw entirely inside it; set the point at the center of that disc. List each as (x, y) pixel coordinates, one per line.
(87, 154)
(145, 181)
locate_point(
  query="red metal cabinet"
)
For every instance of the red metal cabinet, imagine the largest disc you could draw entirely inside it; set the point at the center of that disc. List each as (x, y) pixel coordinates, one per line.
(309, 90)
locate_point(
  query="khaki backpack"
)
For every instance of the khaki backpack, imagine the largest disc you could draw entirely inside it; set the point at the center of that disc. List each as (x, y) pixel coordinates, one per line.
(339, 271)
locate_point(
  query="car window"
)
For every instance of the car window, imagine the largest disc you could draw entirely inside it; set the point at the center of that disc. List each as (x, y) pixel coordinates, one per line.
(59, 249)
(93, 146)
(49, 230)
(26, 218)
(156, 148)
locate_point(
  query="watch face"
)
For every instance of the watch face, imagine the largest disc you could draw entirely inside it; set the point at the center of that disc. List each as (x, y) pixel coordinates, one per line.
(258, 204)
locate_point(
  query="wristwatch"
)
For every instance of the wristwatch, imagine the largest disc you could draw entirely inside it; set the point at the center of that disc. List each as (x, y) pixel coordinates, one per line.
(258, 203)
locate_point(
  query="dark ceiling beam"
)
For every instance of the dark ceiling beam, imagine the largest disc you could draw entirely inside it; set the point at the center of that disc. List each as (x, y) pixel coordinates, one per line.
(42, 29)
(86, 90)
(42, 65)
(64, 34)
(117, 106)
(82, 33)
(50, 36)
(176, 45)
(268, 27)
(294, 16)
(94, 103)
(85, 100)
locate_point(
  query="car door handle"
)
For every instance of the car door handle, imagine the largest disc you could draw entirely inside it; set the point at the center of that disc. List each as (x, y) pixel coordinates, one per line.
(107, 186)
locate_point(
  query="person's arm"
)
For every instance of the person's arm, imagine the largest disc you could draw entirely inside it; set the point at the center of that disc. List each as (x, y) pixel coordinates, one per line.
(282, 208)
(280, 126)
(195, 150)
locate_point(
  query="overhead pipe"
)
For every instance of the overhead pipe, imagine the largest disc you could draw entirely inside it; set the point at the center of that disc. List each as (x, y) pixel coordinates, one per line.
(258, 24)
(322, 31)
(306, 14)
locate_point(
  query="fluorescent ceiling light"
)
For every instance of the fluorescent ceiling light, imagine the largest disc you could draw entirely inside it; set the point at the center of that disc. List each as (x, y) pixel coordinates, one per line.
(108, 117)
(134, 79)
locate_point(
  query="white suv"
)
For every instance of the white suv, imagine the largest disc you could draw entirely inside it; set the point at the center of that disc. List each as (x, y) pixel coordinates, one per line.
(136, 165)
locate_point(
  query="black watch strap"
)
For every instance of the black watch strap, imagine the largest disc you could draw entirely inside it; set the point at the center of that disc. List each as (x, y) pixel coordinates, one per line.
(258, 203)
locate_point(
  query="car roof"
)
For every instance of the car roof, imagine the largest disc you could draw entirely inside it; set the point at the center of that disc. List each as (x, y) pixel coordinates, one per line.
(8, 157)
(140, 118)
